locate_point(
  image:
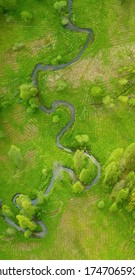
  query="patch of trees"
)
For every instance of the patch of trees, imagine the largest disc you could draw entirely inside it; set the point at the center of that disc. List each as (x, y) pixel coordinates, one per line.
(61, 8)
(29, 94)
(85, 170)
(119, 178)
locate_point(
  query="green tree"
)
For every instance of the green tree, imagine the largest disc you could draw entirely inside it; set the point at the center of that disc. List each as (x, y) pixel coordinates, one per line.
(112, 173)
(122, 195)
(26, 223)
(28, 91)
(130, 180)
(6, 211)
(128, 161)
(78, 188)
(59, 6)
(27, 208)
(131, 205)
(79, 161)
(116, 155)
(15, 155)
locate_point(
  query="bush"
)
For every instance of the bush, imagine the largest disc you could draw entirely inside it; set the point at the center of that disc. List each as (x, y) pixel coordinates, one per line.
(108, 102)
(82, 139)
(26, 16)
(61, 85)
(18, 46)
(6, 211)
(34, 102)
(78, 188)
(27, 91)
(96, 92)
(56, 119)
(15, 155)
(112, 173)
(128, 161)
(64, 21)
(59, 6)
(101, 204)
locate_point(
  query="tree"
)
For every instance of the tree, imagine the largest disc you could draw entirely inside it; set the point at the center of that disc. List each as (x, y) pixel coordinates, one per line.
(78, 188)
(26, 16)
(116, 155)
(59, 6)
(15, 155)
(122, 195)
(131, 205)
(79, 161)
(26, 223)
(6, 211)
(26, 206)
(128, 161)
(130, 180)
(40, 197)
(88, 174)
(34, 102)
(28, 91)
(112, 173)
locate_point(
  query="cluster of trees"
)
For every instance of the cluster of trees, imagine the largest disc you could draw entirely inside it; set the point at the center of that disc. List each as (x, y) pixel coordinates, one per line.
(29, 94)
(28, 213)
(126, 85)
(61, 8)
(119, 178)
(85, 170)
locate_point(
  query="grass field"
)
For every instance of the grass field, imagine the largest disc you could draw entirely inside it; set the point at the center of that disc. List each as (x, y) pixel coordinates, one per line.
(77, 229)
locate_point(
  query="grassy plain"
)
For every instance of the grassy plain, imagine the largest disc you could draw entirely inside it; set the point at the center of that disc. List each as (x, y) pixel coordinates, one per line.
(77, 229)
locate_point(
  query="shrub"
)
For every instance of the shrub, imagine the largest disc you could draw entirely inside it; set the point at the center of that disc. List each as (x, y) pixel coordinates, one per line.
(123, 99)
(96, 92)
(27, 91)
(108, 101)
(18, 46)
(128, 161)
(82, 139)
(101, 204)
(34, 102)
(56, 119)
(64, 21)
(26, 223)
(122, 195)
(15, 155)
(112, 173)
(26, 16)
(59, 6)
(6, 211)
(78, 188)
(61, 85)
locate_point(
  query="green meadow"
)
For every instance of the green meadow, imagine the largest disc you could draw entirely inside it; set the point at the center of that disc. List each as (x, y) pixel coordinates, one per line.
(77, 228)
